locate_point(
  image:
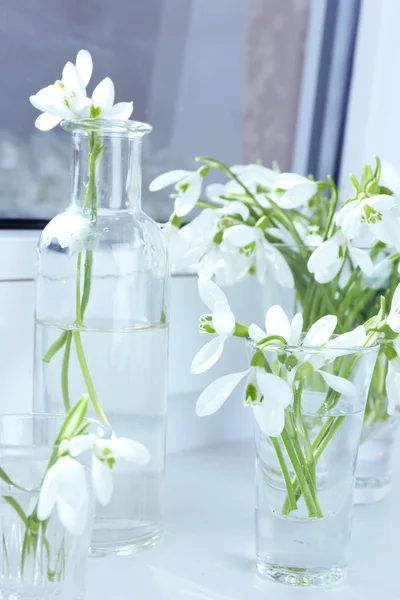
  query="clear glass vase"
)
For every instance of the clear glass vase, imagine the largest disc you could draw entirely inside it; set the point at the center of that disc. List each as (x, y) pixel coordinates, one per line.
(305, 476)
(38, 560)
(102, 319)
(374, 462)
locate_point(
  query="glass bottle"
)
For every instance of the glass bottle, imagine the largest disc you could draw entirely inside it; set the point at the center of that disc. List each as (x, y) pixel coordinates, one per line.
(102, 320)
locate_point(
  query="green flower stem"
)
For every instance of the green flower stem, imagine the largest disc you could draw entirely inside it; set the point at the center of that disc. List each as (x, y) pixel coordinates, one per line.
(65, 371)
(285, 473)
(298, 469)
(86, 375)
(55, 347)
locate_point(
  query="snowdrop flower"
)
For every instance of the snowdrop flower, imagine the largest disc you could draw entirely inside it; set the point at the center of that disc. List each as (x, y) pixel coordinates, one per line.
(393, 318)
(266, 258)
(223, 322)
(65, 487)
(188, 186)
(270, 398)
(298, 190)
(327, 260)
(277, 323)
(371, 212)
(319, 335)
(102, 104)
(256, 174)
(105, 455)
(66, 98)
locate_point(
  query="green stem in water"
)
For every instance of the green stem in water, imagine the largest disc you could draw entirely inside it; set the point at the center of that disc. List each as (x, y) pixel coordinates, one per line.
(64, 372)
(55, 347)
(86, 375)
(307, 495)
(285, 473)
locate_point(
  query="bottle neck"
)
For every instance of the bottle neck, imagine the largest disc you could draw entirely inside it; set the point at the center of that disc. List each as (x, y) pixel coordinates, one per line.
(106, 171)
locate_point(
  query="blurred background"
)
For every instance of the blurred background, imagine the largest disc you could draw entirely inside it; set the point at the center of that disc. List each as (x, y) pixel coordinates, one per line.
(241, 80)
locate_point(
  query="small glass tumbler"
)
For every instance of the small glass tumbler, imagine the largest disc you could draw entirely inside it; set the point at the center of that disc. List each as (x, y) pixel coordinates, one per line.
(39, 560)
(305, 475)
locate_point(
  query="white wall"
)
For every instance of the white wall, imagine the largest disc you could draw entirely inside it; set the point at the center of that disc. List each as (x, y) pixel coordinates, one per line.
(373, 123)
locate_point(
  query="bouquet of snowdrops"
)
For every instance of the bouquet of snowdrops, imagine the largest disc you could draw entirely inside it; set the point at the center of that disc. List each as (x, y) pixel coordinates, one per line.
(339, 257)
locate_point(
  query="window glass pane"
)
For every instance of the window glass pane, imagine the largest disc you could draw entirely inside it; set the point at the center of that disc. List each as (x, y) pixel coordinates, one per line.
(219, 78)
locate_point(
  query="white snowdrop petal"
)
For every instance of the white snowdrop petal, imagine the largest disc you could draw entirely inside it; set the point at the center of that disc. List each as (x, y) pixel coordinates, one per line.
(381, 202)
(285, 181)
(45, 121)
(80, 444)
(362, 259)
(187, 201)
(256, 333)
(277, 323)
(393, 321)
(270, 416)
(208, 355)
(298, 195)
(214, 396)
(102, 481)
(73, 518)
(321, 331)
(280, 269)
(350, 339)
(274, 388)
(72, 80)
(241, 235)
(339, 384)
(346, 211)
(166, 179)
(223, 319)
(214, 191)
(84, 65)
(104, 94)
(48, 493)
(296, 329)
(132, 451)
(121, 110)
(80, 106)
(396, 300)
(238, 208)
(210, 293)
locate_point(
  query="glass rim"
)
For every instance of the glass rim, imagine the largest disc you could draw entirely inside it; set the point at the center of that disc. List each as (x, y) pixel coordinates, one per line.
(26, 416)
(106, 126)
(312, 247)
(318, 349)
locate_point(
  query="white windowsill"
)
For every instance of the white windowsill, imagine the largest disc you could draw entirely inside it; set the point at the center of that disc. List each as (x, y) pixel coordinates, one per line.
(208, 549)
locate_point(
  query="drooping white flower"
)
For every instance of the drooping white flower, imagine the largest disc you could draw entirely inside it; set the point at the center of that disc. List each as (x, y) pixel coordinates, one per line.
(298, 190)
(272, 396)
(266, 258)
(257, 175)
(66, 98)
(223, 322)
(65, 488)
(188, 185)
(105, 456)
(326, 261)
(318, 336)
(372, 213)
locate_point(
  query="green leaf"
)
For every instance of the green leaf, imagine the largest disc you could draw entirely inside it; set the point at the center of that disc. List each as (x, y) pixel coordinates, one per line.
(304, 371)
(241, 330)
(74, 419)
(389, 352)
